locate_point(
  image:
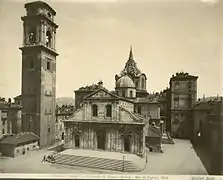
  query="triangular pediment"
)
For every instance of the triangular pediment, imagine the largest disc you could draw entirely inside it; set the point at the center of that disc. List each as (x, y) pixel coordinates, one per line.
(102, 94)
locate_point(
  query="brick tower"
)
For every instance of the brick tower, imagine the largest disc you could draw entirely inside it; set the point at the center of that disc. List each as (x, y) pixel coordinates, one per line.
(39, 71)
(183, 89)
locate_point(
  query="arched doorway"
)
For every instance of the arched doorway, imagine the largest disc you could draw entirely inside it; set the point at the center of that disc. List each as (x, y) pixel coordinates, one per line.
(101, 139)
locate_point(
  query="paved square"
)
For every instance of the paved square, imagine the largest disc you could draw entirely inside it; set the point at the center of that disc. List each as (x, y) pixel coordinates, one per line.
(179, 158)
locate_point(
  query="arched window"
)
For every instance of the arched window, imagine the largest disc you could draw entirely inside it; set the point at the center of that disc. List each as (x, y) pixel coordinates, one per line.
(32, 35)
(143, 83)
(95, 110)
(139, 109)
(123, 93)
(108, 110)
(48, 38)
(131, 94)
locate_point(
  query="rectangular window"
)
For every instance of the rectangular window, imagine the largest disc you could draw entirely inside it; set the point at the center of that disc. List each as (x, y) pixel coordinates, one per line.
(48, 65)
(3, 131)
(48, 130)
(27, 149)
(17, 151)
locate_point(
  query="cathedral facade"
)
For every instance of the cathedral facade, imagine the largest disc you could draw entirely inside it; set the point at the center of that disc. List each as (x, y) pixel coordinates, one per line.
(113, 120)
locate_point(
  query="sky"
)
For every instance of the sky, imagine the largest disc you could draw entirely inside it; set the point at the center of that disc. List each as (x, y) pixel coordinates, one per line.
(94, 38)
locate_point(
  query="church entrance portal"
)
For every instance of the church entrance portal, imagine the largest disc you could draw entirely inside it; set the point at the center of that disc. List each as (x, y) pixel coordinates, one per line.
(77, 141)
(101, 139)
(127, 144)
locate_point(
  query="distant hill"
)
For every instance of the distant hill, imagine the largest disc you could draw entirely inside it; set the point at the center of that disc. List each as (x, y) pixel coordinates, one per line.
(65, 100)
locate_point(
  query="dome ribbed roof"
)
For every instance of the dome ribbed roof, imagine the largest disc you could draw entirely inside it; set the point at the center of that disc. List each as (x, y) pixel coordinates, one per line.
(125, 81)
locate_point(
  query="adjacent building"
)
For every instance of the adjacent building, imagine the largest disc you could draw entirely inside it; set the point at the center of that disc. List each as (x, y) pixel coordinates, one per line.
(154, 138)
(20, 144)
(62, 113)
(10, 117)
(208, 133)
(183, 95)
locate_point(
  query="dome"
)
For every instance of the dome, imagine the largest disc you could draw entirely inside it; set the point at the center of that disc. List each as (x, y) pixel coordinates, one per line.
(126, 82)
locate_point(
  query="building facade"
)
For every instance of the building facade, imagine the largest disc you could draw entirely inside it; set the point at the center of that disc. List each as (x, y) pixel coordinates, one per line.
(39, 71)
(10, 117)
(20, 144)
(62, 113)
(208, 133)
(183, 92)
(107, 122)
(113, 120)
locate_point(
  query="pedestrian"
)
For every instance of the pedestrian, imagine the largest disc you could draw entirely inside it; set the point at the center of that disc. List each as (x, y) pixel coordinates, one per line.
(44, 158)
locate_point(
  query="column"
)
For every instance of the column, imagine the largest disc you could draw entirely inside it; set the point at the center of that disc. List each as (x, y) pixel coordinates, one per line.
(41, 33)
(54, 39)
(52, 42)
(24, 34)
(44, 34)
(37, 35)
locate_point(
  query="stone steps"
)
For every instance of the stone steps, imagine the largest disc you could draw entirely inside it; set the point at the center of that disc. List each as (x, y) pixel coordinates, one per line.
(95, 162)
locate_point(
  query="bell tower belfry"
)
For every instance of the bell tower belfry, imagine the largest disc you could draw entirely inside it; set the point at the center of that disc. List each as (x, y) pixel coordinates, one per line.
(39, 71)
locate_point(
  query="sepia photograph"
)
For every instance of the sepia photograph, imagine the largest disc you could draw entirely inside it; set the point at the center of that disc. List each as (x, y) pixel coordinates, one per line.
(111, 87)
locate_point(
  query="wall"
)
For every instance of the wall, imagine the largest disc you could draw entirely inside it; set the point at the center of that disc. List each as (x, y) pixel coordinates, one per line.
(200, 119)
(182, 124)
(102, 110)
(149, 110)
(3, 122)
(59, 128)
(79, 95)
(7, 150)
(28, 147)
(88, 114)
(209, 146)
(12, 151)
(113, 139)
(15, 119)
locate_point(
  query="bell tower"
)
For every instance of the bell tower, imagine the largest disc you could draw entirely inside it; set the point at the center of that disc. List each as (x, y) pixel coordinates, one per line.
(39, 71)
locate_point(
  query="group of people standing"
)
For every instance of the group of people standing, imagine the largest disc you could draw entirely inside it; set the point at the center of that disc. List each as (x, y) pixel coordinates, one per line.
(49, 158)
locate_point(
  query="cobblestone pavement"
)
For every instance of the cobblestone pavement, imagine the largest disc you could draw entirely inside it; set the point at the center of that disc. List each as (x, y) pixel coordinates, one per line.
(179, 158)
